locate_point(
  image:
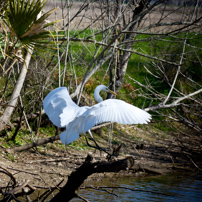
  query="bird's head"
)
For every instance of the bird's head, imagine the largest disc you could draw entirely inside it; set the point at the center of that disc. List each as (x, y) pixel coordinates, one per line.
(101, 88)
(105, 88)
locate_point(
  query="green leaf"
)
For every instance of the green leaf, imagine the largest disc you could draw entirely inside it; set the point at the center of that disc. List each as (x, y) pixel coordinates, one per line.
(21, 19)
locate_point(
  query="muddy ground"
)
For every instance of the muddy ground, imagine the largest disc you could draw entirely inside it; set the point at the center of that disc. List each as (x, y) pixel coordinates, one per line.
(154, 154)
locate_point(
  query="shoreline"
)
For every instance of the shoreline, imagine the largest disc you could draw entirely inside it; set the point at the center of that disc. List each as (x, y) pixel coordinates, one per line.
(50, 168)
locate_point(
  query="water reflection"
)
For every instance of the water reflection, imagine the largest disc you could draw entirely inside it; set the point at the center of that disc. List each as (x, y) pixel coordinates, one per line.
(158, 188)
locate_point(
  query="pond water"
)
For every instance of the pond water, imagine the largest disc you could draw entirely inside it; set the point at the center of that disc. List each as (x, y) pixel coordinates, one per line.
(157, 188)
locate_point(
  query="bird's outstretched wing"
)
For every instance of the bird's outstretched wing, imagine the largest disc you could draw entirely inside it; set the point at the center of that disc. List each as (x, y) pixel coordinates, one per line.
(59, 107)
(109, 110)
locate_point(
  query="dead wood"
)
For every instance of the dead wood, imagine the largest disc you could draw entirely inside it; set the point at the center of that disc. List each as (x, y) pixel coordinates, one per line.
(39, 142)
(28, 116)
(46, 140)
(8, 173)
(18, 191)
(147, 169)
(18, 188)
(86, 169)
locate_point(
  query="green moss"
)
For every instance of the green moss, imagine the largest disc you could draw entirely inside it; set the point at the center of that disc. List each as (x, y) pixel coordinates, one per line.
(79, 144)
(10, 157)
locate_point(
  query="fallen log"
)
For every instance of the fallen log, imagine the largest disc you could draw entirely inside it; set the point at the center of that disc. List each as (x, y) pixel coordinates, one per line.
(77, 177)
(44, 141)
(39, 142)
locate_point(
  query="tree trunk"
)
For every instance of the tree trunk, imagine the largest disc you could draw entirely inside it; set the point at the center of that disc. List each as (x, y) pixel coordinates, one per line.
(5, 118)
(124, 58)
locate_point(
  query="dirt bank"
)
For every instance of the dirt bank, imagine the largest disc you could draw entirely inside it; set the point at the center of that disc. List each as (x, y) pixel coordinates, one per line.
(49, 165)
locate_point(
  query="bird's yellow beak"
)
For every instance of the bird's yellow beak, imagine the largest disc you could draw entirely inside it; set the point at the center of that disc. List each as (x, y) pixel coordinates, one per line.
(112, 92)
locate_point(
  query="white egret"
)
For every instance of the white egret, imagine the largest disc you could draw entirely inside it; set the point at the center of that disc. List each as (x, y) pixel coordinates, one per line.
(63, 112)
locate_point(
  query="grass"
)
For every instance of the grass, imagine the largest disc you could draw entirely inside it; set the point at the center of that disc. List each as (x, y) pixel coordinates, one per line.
(135, 69)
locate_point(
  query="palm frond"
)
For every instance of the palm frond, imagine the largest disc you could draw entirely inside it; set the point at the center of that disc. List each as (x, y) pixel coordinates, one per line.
(21, 19)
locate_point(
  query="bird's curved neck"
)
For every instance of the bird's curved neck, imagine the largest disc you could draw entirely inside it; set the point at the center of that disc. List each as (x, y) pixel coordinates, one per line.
(97, 96)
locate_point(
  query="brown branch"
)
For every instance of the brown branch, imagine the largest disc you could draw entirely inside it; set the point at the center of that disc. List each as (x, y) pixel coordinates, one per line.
(120, 49)
(103, 188)
(21, 191)
(7, 172)
(46, 140)
(50, 191)
(28, 116)
(82, 198)
(194, 163)
(16, 189)
(39, 142)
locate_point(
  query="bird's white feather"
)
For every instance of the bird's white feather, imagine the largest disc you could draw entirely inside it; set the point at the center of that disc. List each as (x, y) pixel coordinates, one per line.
(62, 111)
(109, 110)
(59, 107)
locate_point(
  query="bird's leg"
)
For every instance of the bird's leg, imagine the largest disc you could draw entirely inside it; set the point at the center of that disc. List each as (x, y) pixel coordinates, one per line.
(96, 145)
(93, 139)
